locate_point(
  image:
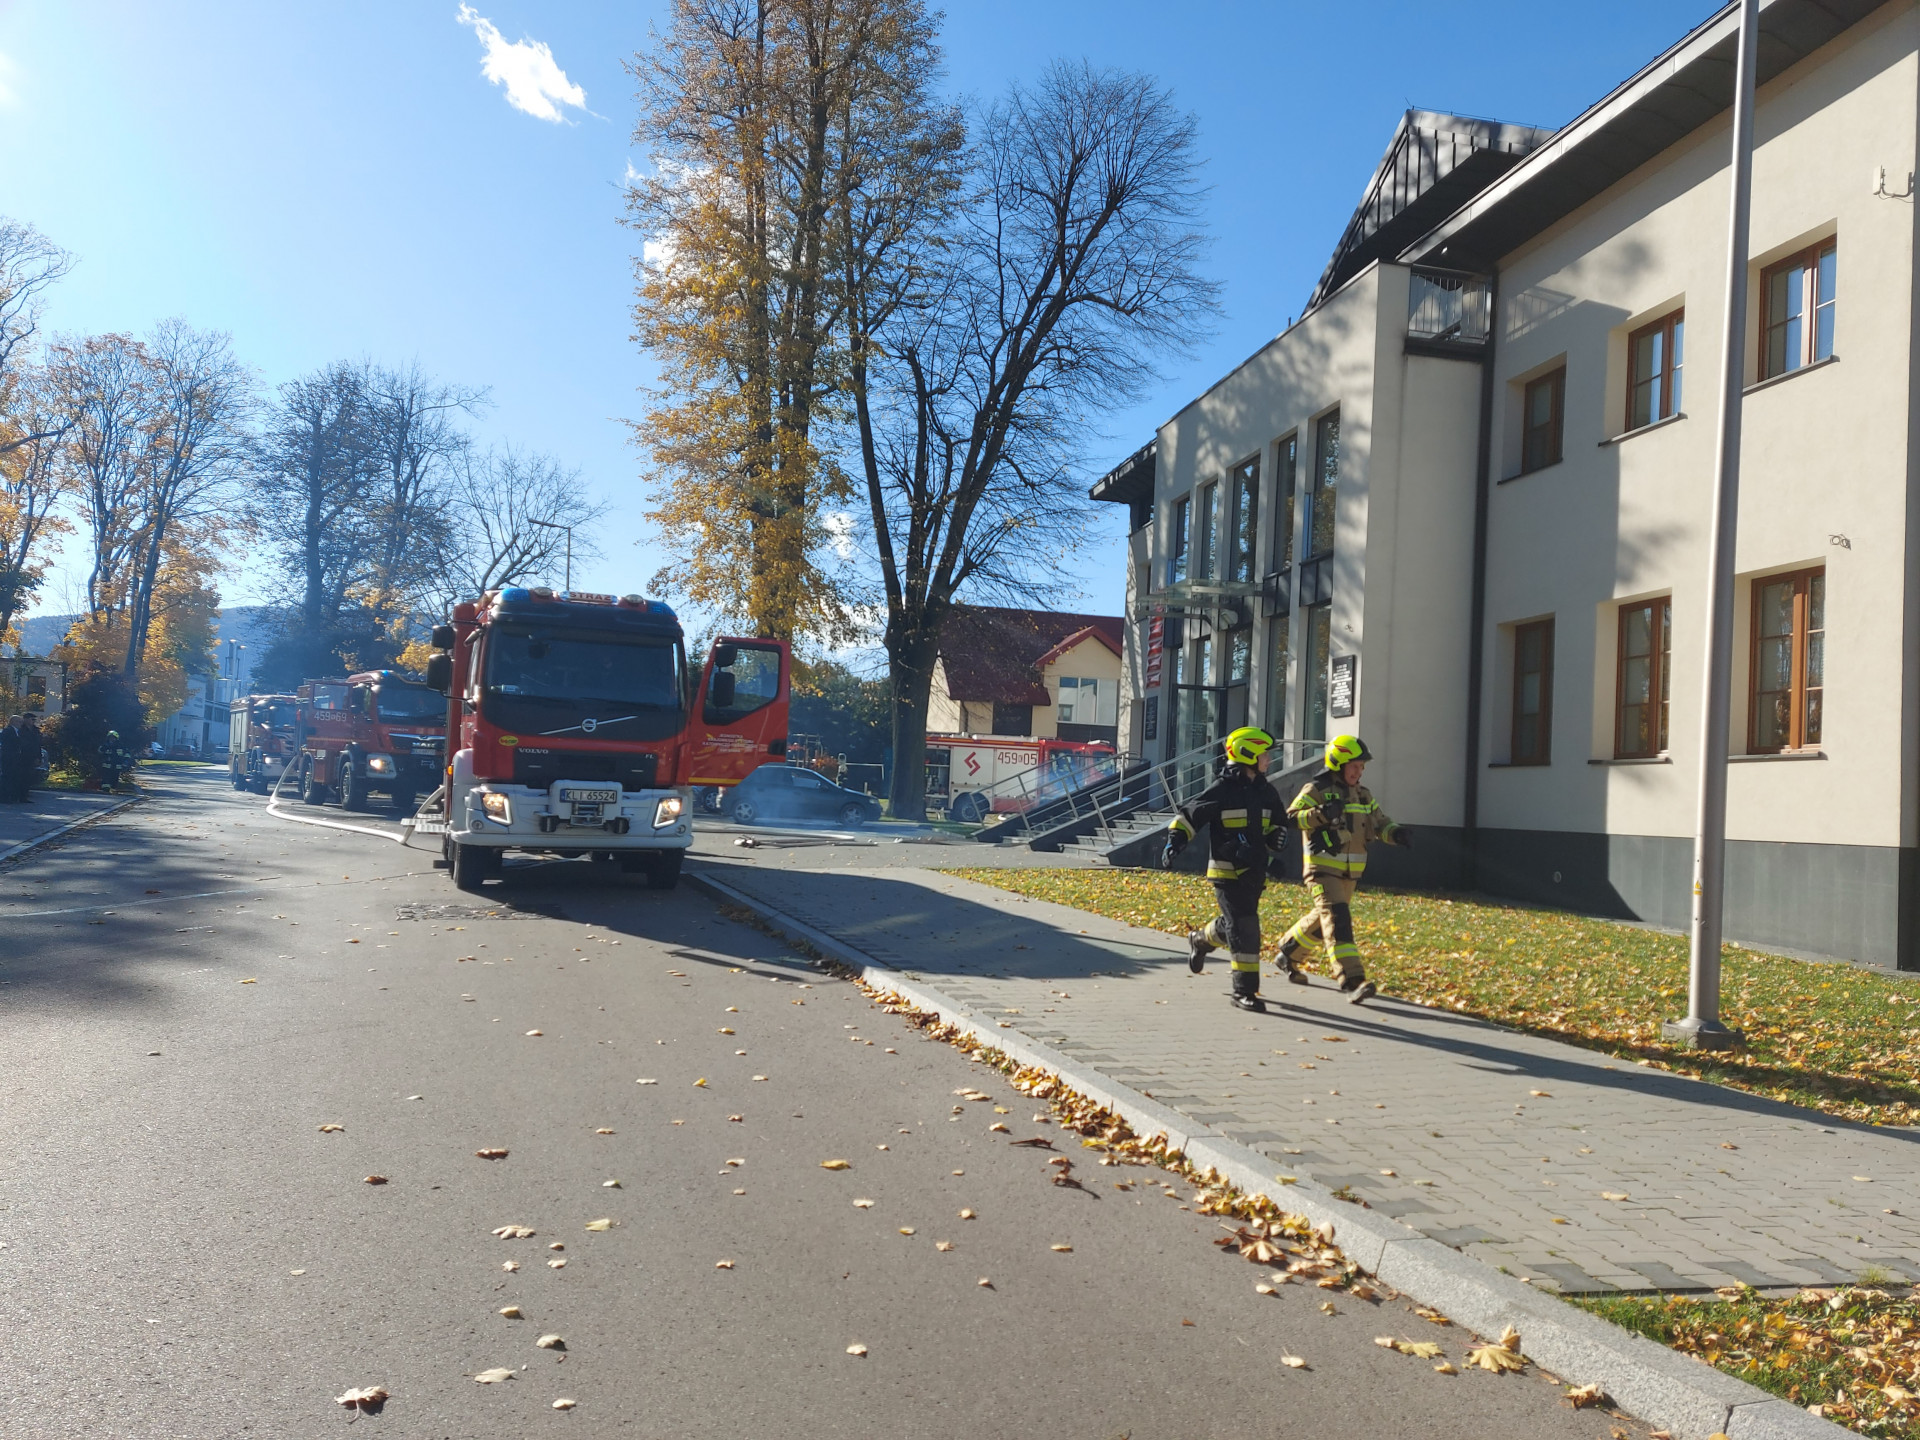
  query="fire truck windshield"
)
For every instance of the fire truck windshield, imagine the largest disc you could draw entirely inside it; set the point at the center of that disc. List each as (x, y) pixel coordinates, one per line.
(551, 681)
(276, 716)
(410, 702)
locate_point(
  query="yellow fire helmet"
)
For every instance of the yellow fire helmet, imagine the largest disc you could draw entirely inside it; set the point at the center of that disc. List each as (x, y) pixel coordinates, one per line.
(1345, 749)
(1246, 745)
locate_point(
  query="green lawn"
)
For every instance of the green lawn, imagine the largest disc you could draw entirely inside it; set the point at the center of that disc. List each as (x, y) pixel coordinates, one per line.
(1835, 1037)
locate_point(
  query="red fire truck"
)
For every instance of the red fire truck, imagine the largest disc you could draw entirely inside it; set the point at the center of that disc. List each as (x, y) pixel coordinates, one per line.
(972, 776)
(377, 730)
(262, 739)
(579, 729)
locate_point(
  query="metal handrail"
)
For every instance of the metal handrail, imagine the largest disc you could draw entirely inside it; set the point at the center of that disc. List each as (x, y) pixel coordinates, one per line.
(1142, 786)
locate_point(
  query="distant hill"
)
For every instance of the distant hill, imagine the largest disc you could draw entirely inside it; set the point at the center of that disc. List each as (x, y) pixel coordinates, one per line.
(251, 625)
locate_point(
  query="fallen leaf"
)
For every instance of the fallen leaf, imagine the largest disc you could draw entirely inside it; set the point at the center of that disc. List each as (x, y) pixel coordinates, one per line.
(723, 1264)
(1540, 1094)
(603, 1131)
(906, 1229)
(726, 1030)
(610, 1185)
(856, 1349)
(739, 1192)
(515, 1232)
(1614, 1195)
(493, 1376)
(510, 1265)
(1062, 1249)
(738, 1119)
(565, 1404)
(559, 1264)
(646, 1082)
(550, 1342)
(759, 1077)
(369, 1397)
(997, 1126)
(491, 1154)
(331, 1129)
(536, 1032)
(376, 1180)
(1584, 1395)
(556, 1245)
(736, 1162)
(1386, 1172)
(965, 1214)
(1419, 1349)
(863, 1204)
(1495, 1358)
(835, 1164)
(1510, 1338)
(984, 1282)
(600, 1224)
(250, 981)
(1293, 1362)
(1728, 1145)
(943, 1246)
(1265, 1290)
(1445, 1368)
(1001, 1110)
(700, 1082)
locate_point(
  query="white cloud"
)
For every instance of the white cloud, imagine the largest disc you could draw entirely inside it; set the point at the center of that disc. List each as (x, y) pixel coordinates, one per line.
(526, 67)
(839, 526)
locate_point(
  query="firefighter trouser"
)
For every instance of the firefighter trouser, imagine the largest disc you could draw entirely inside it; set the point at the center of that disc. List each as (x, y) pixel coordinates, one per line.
(1236, 929)
(1330, 922)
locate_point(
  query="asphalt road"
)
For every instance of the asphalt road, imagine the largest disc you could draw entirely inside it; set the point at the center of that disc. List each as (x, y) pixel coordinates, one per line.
(191, 990)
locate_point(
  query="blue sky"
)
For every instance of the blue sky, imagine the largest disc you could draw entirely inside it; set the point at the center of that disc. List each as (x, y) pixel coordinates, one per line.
(340, 180)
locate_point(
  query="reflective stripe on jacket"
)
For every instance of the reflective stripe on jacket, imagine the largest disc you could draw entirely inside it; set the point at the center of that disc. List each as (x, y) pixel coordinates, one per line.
(1340, 850)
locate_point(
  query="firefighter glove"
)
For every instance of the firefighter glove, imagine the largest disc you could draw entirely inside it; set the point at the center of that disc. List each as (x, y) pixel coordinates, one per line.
(1176, 842)
(1402, 836)
(1333, 813)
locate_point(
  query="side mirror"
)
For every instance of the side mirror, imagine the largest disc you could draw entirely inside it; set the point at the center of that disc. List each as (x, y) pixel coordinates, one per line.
(442, 638)
(724, 656)
(440, 669)
(720, 692)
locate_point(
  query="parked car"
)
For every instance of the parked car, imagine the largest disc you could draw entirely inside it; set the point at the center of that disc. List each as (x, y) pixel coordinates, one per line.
(787, 792)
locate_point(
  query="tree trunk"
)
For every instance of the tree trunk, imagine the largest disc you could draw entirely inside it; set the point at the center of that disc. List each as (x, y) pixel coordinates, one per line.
(910, 658)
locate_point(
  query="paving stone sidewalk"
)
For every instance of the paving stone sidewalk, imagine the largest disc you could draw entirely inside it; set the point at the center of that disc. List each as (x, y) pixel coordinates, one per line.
(1582, 1173)
(47, 811)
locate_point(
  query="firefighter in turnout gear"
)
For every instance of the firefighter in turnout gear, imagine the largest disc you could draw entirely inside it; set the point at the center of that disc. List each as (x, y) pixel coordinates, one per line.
(1245, 820)
(1340, 818)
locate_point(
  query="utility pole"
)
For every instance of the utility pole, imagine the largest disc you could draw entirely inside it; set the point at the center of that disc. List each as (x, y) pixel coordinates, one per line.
(1703, 1028)
(549, 525)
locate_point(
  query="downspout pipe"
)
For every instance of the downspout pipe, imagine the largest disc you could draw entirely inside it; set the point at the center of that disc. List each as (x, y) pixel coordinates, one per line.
(1476, 632)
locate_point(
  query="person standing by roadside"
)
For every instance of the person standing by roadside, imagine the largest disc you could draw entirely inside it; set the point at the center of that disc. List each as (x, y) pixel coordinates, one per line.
(12, 757)
(1340, 818)
(115, 760)
(1244, 818)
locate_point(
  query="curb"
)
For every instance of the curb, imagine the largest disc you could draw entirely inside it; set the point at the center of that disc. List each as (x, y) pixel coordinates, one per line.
(1671, 1391)
(16, 851)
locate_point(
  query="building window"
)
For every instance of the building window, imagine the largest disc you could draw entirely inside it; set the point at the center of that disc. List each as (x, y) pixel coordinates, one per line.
(1646, 648)
(1789, 660)
(1654, 357)
(1287, 453)
(1796, 314)
(1087, 701)
(1313, 672)
(1012, 719)
(1244, 520)
(1276, 697)
(1321, 486)
(1180, 529)
(1205, 542)
(1543, 412)
(1532, 693)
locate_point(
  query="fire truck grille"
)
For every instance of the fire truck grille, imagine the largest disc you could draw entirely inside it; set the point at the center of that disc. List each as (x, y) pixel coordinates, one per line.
(540, 768)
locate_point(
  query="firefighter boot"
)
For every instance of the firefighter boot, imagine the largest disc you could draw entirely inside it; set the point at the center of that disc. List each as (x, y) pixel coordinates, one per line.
(1246, 983)
(1289, 960)
(1357, 988)
(1198, 948)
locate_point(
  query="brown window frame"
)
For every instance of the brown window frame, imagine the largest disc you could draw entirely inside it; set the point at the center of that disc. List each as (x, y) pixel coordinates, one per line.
(1556, 421)
(1544, 754)
(1807, 261)
(1798, 687)
(1664, 327)
(1659, 690)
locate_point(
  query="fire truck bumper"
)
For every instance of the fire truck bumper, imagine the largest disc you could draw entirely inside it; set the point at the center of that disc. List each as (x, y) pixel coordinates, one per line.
(572, 816)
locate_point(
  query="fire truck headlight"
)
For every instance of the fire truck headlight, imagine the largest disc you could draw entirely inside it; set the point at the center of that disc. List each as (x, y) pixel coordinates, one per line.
(380, 765)
(495, 806)
(666, 812)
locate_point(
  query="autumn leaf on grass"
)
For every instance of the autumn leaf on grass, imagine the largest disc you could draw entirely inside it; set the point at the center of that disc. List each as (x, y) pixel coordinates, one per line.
(363, 1397)
(493, 1376)
(601, 1224)
(491, 1153)
(1584, 1395)
(836, 1164)
(515, 1232)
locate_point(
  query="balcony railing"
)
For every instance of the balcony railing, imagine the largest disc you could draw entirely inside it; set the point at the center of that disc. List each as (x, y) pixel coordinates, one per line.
(1446, 307)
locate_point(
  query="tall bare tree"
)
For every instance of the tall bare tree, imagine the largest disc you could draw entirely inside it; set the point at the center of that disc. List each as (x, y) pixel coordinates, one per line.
(746, 108)
(104, 386)
(29, 263)
(510, 514)
(417, 436)
(1069, 271)
(33, 487)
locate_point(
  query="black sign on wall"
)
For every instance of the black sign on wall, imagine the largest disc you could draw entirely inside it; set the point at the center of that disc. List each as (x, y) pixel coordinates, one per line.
(1344, 676)
(1152, 726)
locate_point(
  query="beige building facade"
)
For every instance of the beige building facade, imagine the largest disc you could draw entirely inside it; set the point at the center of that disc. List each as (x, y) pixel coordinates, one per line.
(1461, 506)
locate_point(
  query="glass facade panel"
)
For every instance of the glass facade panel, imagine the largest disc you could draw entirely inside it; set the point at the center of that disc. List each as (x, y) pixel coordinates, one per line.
(1321, 485)
(1287, 456)
(1206, 543)
(1243, 524)
(1313, 672)
(1178, 530)
(1276, 698)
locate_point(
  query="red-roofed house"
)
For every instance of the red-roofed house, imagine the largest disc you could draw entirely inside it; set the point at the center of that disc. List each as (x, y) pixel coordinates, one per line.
(1027, 672)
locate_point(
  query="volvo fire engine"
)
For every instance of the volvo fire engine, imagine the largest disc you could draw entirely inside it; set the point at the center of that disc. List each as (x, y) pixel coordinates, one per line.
(577, 728)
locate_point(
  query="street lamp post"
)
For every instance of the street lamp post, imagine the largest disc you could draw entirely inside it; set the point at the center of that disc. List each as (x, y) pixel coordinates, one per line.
(549, 525)
(1703, 1028)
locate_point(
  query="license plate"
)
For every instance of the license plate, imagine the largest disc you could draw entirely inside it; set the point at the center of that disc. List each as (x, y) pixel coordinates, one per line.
(590, 797)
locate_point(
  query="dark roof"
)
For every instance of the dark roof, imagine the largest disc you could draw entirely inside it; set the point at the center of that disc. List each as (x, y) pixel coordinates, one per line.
(994, 654)
(1434, 164)
(1682, 89)
(1130, 483)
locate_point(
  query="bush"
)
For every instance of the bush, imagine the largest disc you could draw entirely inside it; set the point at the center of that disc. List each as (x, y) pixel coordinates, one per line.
(102, 699)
